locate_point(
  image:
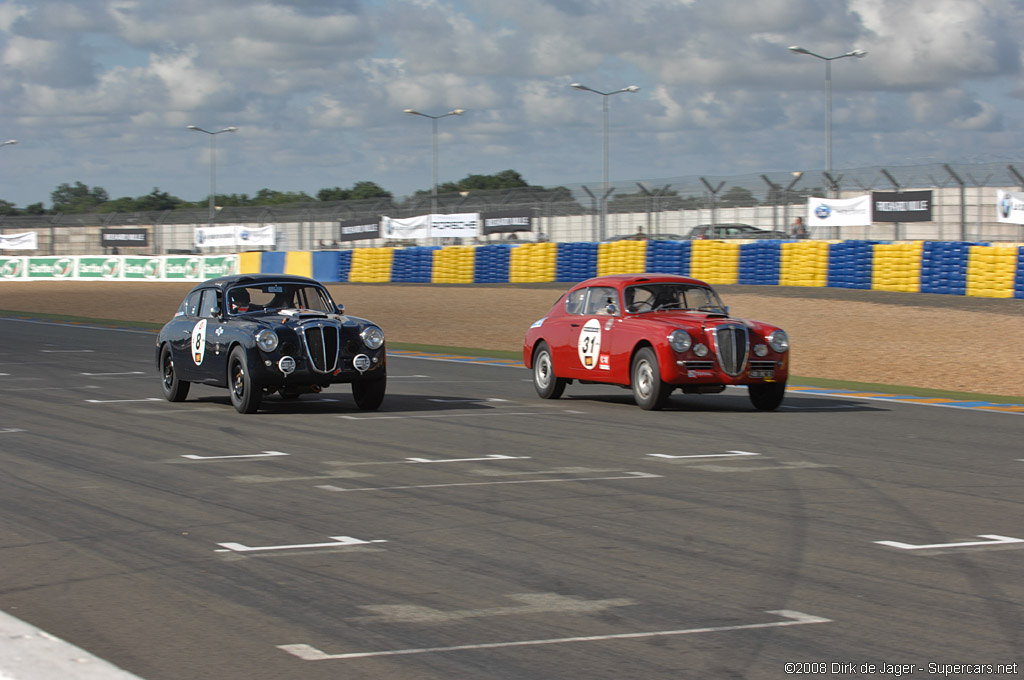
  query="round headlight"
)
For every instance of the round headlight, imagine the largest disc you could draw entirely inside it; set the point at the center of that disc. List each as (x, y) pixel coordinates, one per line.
(680, 340)
(373, 337)
(700, 349)
(760, 350)
(779, 341)
(267, 340)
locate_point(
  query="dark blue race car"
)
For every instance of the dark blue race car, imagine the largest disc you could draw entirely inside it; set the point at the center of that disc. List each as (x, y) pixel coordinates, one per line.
(258, 334)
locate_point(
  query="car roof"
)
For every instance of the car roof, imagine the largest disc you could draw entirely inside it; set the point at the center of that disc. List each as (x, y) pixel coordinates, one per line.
(623, 280)
(224, 282)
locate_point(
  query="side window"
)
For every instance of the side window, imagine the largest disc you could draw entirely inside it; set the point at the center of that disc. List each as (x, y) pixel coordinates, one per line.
(209, 302)
(574, 302)
(190, 307)
(600, 298)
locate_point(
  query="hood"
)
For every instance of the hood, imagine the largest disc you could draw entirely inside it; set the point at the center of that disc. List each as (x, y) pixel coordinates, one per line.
(670, 320)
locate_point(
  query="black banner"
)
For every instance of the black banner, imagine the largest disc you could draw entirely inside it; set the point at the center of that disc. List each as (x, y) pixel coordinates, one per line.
(906, 206)
(358, 230)
(506, 221)
(124, 238)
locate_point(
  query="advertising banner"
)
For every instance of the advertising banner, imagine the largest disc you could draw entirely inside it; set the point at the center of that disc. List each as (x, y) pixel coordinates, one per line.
(839, 212)
(234, 236)
(183, 268)
(219, 266)
(247, 237)
(143, 268)
(506, 221)
(905, 206)
(51, 267)
(357, 230)
(1010, 207)
(215, 237)
(124, 238)
(100, 267)
(406, 228)
(12, 267)
(28, 240)
(458, 225)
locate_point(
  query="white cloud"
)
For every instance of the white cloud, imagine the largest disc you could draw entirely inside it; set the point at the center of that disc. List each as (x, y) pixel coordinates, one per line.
(719, 90)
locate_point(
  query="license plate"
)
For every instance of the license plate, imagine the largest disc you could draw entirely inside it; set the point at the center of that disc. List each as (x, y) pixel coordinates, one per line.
(763, 374)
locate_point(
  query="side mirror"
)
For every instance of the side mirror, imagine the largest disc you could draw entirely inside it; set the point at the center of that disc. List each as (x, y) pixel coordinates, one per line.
(216, 312)
(612, 310)
(340, 308)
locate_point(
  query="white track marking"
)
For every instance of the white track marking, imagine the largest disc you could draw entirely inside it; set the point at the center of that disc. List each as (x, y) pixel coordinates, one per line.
(628, 475)
(336, 541)
(793, 618)
(993, 539)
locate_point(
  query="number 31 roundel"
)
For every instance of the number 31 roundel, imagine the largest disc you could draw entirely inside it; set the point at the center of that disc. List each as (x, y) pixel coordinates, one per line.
(590, 343)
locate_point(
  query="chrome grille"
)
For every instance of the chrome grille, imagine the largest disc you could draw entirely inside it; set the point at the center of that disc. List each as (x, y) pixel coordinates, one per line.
(731, 348)
(323, 342)
(699, 365)
(763, 365)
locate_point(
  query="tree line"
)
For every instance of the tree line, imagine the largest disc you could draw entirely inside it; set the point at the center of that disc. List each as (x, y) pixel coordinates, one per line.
(78, 197)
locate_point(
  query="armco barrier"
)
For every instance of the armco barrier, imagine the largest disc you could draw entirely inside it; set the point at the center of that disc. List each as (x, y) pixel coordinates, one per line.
(954, 268)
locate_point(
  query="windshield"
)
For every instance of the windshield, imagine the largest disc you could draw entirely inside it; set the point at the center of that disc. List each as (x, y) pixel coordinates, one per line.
(273, 297)
(651, 297)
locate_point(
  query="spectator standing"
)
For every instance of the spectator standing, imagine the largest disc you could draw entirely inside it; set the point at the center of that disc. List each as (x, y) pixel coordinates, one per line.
(798, 230)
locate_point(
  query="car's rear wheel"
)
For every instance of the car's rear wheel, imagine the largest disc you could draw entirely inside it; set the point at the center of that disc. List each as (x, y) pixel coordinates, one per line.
(174, 389)
(544, 381)
(767, 396)
(245, 395)
(649, 391)
(369, 394)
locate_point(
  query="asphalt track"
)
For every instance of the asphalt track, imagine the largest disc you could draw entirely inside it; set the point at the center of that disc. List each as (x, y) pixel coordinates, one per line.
(471, 530)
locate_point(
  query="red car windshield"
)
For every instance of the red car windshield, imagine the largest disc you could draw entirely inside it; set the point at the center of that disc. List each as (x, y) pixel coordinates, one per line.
(649, 297)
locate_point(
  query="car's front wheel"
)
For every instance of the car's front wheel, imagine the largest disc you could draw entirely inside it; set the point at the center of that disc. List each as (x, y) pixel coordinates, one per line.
(174, 389)
(767, 396)
(369, 394)
(245, 395)
(544, 380)
(649, 391)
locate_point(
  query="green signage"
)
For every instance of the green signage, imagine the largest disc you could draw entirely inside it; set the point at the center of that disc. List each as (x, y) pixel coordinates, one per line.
(12, 267)
(137, 268)
(219, 265)
(183, 267)
(99, 267)
(51, 267)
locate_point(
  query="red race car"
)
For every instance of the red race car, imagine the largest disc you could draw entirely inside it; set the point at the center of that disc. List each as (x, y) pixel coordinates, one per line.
(655, 333)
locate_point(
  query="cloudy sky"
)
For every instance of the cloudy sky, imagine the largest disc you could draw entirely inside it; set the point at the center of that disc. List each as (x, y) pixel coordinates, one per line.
(101, 91)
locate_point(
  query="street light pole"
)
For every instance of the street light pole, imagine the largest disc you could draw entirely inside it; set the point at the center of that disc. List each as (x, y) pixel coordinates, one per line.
(604, 99)
(860, 54)
(434, 119)
(213, 164)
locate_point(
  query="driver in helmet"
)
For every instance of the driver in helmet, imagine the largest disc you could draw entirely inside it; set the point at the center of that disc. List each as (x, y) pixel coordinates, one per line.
(239, 301)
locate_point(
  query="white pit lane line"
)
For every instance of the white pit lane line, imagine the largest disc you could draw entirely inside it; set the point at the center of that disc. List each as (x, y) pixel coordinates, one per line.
(791, 618)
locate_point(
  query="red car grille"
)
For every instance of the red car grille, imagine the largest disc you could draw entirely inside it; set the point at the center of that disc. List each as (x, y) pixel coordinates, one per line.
(732, 347)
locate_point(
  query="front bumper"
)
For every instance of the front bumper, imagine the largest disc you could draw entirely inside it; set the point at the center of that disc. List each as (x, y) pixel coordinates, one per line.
(266, 369)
